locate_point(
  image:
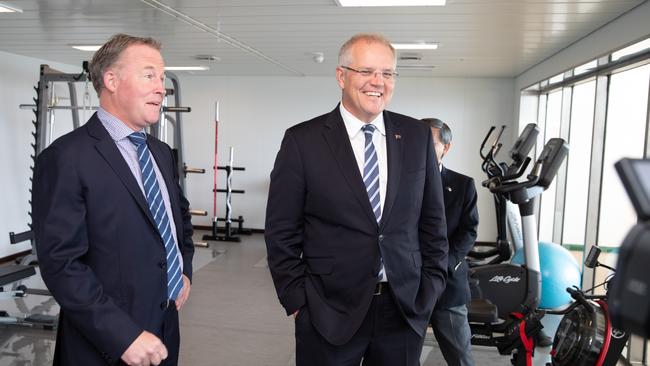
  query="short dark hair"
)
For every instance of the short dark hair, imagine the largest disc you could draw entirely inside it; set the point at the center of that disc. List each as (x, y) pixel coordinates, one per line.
(110, 52)
(445, 131)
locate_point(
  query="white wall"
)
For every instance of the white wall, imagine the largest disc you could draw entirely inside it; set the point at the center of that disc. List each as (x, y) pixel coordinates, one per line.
(624, 30)
(18, 75)
(255, 111)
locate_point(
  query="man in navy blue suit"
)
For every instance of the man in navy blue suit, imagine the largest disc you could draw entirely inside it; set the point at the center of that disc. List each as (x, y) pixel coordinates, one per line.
(355, 228)
(117, 257)
(449, 318)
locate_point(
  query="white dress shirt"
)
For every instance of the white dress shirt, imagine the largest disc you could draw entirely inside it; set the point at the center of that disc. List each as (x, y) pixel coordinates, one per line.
(358, 140)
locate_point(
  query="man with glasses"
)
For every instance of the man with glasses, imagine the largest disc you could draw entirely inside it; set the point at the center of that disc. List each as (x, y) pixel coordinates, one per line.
(355, 226)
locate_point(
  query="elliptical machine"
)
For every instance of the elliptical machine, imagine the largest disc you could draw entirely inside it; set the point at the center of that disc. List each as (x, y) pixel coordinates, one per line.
(508, 294)
(502, 250)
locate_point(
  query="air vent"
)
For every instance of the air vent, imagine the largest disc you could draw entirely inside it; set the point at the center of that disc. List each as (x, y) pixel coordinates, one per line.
(415, 67)
(207, 58)
(410, 57)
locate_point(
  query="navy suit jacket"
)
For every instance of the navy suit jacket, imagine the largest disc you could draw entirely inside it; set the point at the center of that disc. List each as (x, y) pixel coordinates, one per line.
(323, 241)
(98, 248)
(462, 221)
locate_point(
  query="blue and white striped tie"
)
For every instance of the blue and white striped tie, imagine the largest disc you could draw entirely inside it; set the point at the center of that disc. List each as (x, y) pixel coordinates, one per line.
(371, 178)
(159, 213)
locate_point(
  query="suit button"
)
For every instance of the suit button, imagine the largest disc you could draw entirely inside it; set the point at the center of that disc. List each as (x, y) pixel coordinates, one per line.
(163, 264)
(163, 305)
(381, 237)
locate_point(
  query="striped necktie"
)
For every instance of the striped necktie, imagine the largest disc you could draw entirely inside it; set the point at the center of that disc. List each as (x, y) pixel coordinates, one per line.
(371, 172)
(159, 213)
(371, 180)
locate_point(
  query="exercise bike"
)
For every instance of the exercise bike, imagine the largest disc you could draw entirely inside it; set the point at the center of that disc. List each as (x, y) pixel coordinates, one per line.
(502, 250)
(504, 312)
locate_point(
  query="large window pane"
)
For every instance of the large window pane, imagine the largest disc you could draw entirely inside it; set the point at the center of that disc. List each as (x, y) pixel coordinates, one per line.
(547, 210)
(624, 137)
(575, 206)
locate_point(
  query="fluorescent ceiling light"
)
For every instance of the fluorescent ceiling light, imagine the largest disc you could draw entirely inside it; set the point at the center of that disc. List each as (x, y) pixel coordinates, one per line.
(90, 48)
(391, 2)
(187, 68)
(415, 46)
(4, 8)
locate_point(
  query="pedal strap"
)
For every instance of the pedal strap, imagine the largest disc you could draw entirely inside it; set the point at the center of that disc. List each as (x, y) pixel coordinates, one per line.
(525, 340)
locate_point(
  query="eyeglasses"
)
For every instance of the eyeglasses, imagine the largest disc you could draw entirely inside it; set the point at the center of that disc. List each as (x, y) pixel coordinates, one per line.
(366, 73)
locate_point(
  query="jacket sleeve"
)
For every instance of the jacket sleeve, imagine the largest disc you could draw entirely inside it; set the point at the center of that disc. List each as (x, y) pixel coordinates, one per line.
(60, 233)
(462, 240)
(433, 226)
(284, 227)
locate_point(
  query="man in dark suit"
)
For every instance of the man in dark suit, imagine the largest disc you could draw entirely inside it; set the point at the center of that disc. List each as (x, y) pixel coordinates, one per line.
(115, 244)
(449, 318)
(355, 227)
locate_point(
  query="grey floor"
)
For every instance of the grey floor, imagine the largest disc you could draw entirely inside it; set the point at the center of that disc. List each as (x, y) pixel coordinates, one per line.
(232, 318)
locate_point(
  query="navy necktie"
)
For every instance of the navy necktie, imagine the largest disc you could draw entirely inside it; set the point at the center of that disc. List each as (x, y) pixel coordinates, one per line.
(371, 179)
(159, 213)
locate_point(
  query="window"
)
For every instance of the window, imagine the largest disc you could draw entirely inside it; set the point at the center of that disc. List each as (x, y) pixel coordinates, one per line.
(624, 137)
(575, 206)
(547, 208)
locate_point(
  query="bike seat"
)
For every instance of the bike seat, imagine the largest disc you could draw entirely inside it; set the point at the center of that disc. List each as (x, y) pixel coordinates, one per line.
(481, 311)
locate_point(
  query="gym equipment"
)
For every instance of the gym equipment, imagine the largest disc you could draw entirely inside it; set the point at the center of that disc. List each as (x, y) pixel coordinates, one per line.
(505, 313)
(586, 335)
(629, 298)
(230, 233)
(559, 271)
(14, 275)
(507, 214)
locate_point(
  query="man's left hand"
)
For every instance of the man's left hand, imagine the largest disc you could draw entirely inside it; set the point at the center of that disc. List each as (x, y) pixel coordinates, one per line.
(184, 294)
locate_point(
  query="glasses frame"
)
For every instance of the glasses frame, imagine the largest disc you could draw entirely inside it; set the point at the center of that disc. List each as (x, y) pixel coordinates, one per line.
(386, 75)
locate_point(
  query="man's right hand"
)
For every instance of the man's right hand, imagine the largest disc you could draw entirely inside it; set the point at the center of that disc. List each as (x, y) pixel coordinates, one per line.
(146, 350)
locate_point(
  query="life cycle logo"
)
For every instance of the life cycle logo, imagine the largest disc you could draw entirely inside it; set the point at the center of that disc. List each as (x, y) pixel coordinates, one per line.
(504, 279)
(480, 336)
(618, 333)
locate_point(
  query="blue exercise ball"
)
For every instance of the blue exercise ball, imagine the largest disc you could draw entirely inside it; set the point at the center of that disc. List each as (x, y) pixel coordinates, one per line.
(559, 271)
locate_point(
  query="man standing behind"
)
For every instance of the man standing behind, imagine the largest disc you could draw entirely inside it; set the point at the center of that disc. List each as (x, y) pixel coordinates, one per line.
(449, 318)
(355, 227)
(112, 228)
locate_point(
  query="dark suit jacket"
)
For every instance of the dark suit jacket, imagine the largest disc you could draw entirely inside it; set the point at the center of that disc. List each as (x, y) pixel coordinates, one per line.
(322, 238)
(462, 220)
(98, 248)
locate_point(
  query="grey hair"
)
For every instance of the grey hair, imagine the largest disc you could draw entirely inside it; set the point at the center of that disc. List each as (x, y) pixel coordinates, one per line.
(345, 57)
(445, 131)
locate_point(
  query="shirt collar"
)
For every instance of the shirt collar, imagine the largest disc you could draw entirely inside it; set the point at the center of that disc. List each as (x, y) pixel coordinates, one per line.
(115, 127)
(353, 125)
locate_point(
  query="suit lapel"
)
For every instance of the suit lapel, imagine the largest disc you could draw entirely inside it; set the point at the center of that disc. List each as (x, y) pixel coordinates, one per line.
(394, 155)
(109, 151)
(338, 140)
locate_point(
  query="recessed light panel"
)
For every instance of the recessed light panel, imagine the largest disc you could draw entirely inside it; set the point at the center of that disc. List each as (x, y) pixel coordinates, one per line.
(391, 2)
(187, 68)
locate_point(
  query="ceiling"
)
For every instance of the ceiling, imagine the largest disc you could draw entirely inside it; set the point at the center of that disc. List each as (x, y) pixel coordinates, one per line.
(478, 38)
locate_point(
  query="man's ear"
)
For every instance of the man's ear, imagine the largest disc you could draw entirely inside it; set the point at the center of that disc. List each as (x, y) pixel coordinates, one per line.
(446, 149)
(340, 79)
(111, 80)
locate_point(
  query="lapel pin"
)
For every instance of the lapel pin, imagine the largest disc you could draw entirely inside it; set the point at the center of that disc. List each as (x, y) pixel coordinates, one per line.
(398, 136)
